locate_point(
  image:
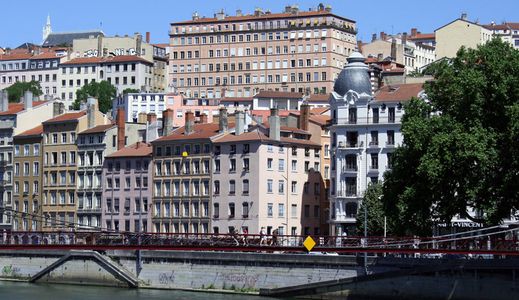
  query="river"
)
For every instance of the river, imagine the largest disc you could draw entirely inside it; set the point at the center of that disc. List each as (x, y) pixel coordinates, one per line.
(35, 291)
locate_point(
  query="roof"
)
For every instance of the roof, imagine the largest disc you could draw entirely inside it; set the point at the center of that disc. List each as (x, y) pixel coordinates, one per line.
(135, 150)
(74, 116)
(256, 135)
(280, 95)
(67, 38)
(15, 108)
(100, 60)
(162, 45)
(46, 55)
(200, 131)
(266, 113)
(98, 129)
(315, 116)
(423, 36)
(288, 129)
(262, 17)
(36, 131)
(318, 98)
(503, 26)
(15, 56)
(459, 19)
(319, 110)
(236, 99)
(402, 92)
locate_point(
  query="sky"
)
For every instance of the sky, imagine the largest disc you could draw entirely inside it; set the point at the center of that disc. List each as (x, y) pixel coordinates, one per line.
(22, 21)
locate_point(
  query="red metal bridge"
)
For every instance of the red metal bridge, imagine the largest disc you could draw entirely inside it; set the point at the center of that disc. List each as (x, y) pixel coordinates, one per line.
(486, 242)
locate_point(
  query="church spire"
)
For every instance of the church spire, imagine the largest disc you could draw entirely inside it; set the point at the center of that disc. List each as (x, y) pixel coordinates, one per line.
(46, 29)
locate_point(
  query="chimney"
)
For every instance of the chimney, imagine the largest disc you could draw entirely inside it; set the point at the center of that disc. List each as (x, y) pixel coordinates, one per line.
(148, 37)
(404, 38)
(383, 35)
(27, 100)
(152, 118)
(167, 122)
(91, 111)
(138, 44)
(57, 108)
(393, 49)
(359, 46)
(4, 100)
(239, 13)
(240, 122)
(304, 116)
(373, 37)
(275, 126)
(222, 120)
(99, 45)
(414, 31)
(189, 123)
(142, 118)
(464, 16)
(203, 118)
(121, 134)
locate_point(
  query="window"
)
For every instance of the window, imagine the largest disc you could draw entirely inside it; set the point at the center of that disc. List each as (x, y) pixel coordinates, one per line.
(216, 187)
(269, 163)
(293, 188)
(245, 186)
(391, 116)
(281, 165)
(281, 186)
(231, 210)
(270, 182)
(390, 137)
(232, 187)
(245, 209)
(216, 210)
(246, 164)
(232, 167)
(281, 210)
(270, 210)
(294, 165)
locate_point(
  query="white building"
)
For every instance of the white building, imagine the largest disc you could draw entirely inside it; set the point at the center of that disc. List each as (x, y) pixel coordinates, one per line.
(124, 71)
(365, 131)
(135, 103)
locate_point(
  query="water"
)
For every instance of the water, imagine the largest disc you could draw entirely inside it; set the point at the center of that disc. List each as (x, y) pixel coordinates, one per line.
(30, 291)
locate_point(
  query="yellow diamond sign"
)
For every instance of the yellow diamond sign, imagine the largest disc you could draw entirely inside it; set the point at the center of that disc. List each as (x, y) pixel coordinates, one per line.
(309, 243)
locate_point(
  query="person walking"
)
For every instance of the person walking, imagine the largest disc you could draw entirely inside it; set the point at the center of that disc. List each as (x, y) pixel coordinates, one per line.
(263, 236)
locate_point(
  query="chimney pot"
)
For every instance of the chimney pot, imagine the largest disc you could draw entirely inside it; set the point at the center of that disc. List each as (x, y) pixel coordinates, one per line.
(167, 122)
(414, 31)
(222, 120)
(148, 37)
(304, 116)
(121, 130)
(189, 122)
(274, 125)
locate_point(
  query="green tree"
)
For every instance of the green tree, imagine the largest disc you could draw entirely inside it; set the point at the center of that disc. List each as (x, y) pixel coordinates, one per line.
(103, 91)
(130, 90)
(17, 90)
(372, 201)
(460, 149)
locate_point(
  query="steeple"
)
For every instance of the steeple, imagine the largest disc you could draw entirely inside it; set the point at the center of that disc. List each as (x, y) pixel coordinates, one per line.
(46, 29)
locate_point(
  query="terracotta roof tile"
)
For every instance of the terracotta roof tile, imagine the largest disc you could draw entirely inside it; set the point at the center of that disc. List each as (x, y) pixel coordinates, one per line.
(15, 56)
(15, 108)
(38, 130)
(98, 129)
(318, 98)
(136, 150)
(402, 92)
(200, 131)
(47, 55)
(66, 117)
(256, 135)
(102, 60)
(280, 95)
(423, 36)
(319, 110)
(504, 26)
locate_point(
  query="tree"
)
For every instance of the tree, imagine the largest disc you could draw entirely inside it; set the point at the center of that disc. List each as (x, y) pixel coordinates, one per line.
(17, 90)
(103, 91)
(460, 149)
(372, 201)
(130, 90)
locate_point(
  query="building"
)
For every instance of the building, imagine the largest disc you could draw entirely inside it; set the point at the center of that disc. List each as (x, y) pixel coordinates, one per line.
(124, 72)
(28, 166)
(238, 56)
(365, 130)
(15, 118)
(135, 103)
(127, 174)
(182, 175)
(460, 32)
(507, 31)
(60, 164)
(265, 100)
(64, 39)
(103, 46)
(94, 144)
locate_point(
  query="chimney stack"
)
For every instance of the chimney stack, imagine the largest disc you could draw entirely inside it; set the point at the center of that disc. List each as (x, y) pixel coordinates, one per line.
(393, 49)
(464, 16)
(414, 31)
(404, 38)
(167, 122)
(383, 35)
(91, 111)
(275, 125)
(152, 118)
(4, 100)
(121, 133)
(203, 118)
(189, 123)
(57, 108)
(240, 122)
(27, 100)
(99, 45)
(373, 37)
(359, 46)
(148, 37)
(304, 116)
(222, 120)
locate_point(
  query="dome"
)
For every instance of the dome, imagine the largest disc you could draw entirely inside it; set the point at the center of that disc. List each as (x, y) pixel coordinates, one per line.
(354, 76)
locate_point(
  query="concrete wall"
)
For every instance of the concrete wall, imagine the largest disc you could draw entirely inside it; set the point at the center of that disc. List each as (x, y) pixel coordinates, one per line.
(457, 34)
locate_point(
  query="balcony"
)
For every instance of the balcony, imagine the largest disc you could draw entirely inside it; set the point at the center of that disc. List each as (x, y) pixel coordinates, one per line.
(390, 144)
(349, 192)
(349, 169)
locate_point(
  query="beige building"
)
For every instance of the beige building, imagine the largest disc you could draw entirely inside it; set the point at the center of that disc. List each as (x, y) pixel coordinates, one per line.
(60, 164)
(239, 55)
(460, 32)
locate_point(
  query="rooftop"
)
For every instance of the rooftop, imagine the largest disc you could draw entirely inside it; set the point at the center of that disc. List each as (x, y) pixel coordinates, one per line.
(256, 135)
(397, 93)
(15, 108)
(318, 98)
(67, 38)
(98, 129)
(15, 56)
(36, 131)
(74, 116)
(100, 60)
(279, 95)
(200, 131)
(136, 150)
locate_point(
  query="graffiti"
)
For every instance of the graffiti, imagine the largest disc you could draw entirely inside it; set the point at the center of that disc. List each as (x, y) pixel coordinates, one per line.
(10, 271)
(247, 280)
(166, 278)
(114, 52)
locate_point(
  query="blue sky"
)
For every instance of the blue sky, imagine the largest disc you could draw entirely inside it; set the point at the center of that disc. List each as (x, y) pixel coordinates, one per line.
(22, 21)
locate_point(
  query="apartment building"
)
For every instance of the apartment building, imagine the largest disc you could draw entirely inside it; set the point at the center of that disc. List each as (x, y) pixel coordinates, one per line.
(240, 55)
(182, 176)
(127, 191)
(27, 176)
(60, 164)
(124, 71)
(15, 118)
(94, 144)
(135, 103)
(365, 131)
(507, 31)
(266, 178)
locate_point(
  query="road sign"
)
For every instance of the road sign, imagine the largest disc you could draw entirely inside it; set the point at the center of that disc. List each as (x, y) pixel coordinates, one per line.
(309, 243)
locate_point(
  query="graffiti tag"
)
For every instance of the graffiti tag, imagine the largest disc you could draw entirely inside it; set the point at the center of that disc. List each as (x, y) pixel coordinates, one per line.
(248, 280)
(166, 278)
(10, 271)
